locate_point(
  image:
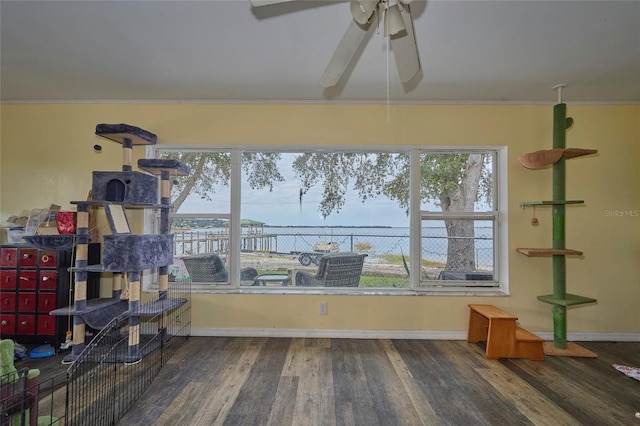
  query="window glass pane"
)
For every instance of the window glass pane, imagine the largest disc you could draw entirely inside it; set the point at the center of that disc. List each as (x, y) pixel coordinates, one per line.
(206, 189)
(458, 250)
(200, 215)
(456, 182)
(325, 202)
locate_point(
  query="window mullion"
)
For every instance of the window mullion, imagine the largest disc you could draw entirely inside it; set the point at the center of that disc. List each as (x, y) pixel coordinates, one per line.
(415, 233)
(235, 220)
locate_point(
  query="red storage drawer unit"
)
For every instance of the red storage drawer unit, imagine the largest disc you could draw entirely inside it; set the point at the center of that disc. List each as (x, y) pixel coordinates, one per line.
(8, 257)
(8, 279)
(33, 282)
(26, 325)
(48, 259)
(28, 257)
(26, 302)
(7, 302)
(48, 279)
(46, 325)
(27, 280)
(46, 302)
(7, 324)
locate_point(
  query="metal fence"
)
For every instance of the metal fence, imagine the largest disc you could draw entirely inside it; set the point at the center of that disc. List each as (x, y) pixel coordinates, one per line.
(27, 399)
(387, 250)
(99, 388)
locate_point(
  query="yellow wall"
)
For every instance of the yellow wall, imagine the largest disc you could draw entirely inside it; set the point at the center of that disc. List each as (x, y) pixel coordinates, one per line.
(47, 156)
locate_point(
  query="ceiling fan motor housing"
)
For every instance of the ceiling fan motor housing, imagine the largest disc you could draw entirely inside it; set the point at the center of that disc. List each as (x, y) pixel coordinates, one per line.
(363, 10)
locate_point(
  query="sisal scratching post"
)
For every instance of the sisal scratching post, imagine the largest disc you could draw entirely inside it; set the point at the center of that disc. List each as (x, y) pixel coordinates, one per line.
(80, 282)
(133, 343)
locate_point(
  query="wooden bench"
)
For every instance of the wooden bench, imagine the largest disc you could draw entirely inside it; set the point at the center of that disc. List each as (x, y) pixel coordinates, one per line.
(504, 338)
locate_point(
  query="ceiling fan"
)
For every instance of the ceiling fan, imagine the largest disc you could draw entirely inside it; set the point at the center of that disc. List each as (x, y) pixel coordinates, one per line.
(398, 26)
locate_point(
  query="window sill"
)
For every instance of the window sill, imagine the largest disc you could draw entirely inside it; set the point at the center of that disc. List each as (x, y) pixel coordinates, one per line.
(199, 288)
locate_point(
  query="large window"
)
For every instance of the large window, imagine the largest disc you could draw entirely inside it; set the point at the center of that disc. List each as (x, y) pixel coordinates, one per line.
(338, 221)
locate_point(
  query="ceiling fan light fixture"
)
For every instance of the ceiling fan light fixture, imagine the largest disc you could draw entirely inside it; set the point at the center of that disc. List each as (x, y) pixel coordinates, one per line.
(363, 10)
(393, 22)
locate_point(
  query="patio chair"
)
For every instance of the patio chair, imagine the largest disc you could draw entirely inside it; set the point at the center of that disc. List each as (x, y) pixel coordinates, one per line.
(208, 267)
(334, 270)
(205, 267)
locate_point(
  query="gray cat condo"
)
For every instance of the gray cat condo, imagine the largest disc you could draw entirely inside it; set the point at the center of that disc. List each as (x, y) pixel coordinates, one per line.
(122, 251)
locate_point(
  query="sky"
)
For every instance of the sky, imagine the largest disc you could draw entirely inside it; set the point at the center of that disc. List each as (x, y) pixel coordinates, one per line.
(282, 205)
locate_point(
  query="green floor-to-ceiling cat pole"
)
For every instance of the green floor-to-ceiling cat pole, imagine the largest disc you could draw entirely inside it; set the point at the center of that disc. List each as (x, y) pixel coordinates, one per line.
(560, 125)
(556, 157)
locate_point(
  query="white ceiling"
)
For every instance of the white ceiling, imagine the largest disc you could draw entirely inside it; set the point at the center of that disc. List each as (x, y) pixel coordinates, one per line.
(471, 51)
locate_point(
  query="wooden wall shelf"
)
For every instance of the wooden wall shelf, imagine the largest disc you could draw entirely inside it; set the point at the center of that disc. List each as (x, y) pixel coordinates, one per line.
(539, 252)
(549, 203)
(547, 157)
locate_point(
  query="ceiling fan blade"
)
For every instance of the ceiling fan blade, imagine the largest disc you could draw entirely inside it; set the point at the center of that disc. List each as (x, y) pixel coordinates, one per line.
(347, 48)
(257, 3)
(405, 49)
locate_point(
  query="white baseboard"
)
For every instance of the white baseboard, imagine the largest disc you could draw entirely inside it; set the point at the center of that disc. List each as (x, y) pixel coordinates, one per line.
(391, 334)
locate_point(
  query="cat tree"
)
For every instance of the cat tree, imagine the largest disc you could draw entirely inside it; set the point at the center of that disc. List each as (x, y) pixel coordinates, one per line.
(124, 252)
(556, 157)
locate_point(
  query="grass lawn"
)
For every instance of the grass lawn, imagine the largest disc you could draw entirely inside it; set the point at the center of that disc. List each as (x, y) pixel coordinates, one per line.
(383, 282)
(368, 281)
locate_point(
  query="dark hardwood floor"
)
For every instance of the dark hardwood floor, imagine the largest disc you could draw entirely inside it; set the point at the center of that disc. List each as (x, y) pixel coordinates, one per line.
(282, 381)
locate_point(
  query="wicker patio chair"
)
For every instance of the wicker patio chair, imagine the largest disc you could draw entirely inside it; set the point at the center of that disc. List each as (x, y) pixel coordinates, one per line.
(334, 270)
(208, 267)
(205, 267)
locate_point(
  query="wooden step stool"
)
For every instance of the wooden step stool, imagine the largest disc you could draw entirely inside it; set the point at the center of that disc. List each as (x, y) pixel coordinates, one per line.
(504, 338)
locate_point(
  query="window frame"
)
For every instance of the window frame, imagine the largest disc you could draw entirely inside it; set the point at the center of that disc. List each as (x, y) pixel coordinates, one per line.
(498, 216)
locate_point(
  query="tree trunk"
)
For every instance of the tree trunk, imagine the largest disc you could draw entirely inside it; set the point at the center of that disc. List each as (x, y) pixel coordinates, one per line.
(461, 233)
(191, 182)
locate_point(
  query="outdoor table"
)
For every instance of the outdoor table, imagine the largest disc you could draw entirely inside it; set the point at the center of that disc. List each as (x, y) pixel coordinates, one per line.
(272, 278)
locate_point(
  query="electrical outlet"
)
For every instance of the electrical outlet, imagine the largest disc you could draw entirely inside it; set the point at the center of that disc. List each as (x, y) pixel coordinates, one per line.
(322, 308)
